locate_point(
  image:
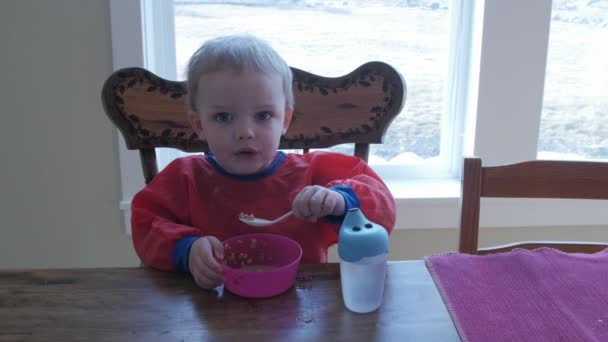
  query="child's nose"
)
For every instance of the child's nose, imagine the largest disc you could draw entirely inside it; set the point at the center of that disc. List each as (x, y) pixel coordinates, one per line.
(245, 132)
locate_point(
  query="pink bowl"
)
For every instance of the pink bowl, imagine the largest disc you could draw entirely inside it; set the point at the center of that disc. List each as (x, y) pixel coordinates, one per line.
(260, 265)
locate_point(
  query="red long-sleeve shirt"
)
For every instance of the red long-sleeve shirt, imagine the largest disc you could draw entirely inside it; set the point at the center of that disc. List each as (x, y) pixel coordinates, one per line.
(192, 196)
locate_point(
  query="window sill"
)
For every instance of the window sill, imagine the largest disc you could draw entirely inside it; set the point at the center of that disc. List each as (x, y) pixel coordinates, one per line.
(432, 204)
(428, 203)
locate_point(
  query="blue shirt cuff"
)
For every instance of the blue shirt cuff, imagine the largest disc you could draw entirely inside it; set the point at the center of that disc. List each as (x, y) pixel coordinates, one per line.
(350, 200)
(181, 251)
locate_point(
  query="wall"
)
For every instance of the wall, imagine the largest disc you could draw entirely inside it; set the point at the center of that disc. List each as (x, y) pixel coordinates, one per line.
(416, 243)
(59, 178)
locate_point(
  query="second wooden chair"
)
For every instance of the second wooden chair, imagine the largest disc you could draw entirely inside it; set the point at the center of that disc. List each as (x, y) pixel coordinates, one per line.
(532, 179)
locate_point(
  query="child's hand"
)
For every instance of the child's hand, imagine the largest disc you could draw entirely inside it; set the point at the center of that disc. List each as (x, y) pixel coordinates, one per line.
(315, 201)
(203, 264)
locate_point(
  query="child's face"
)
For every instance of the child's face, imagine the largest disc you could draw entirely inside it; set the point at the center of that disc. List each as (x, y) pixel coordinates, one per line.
(242, 116)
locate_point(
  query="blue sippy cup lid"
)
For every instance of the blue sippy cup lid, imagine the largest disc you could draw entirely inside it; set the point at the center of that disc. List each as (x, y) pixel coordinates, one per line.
(360, 238)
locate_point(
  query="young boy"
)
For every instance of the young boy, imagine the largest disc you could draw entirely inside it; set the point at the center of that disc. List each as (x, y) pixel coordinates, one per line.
(240, 100)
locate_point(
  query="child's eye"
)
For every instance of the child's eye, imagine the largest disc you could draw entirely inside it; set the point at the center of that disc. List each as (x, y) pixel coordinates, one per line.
(262, 115)
(222, 117)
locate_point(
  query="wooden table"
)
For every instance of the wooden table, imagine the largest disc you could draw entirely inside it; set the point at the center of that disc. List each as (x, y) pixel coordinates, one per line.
(139, 304)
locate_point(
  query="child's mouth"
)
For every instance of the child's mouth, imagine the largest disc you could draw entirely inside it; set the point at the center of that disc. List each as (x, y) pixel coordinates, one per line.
(246, 152)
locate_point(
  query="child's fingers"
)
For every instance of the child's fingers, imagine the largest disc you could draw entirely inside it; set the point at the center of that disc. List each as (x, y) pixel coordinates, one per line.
(317, 203)
(205, 270)
(300, 205)
(331, 204)
(217, 246)
(203, 276)
(205, 282)
(203, 273)
(207, 255)
(211, 275)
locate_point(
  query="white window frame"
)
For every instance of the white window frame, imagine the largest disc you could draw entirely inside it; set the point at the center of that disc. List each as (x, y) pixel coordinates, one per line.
(504, 60)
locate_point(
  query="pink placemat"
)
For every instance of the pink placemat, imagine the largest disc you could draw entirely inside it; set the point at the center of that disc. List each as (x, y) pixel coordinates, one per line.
(540, 295)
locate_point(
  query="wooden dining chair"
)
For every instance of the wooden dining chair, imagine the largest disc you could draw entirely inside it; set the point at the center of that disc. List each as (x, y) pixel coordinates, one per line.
(531, 179)
(357, 108)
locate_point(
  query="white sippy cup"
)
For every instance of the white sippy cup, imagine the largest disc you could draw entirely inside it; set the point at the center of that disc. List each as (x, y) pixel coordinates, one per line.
(362, 247)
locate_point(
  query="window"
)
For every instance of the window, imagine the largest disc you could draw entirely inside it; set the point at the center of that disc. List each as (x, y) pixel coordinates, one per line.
(574, 121)
(332, 38)
(494, 78)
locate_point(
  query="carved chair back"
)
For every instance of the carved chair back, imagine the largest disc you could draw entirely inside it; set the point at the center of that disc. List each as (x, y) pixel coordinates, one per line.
(357, 108)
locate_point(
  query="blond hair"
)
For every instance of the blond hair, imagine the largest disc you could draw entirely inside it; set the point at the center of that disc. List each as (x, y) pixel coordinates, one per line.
(237, 53)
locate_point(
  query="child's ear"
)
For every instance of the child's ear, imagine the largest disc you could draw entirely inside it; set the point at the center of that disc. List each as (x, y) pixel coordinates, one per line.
(287, 118)
(196, 123)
